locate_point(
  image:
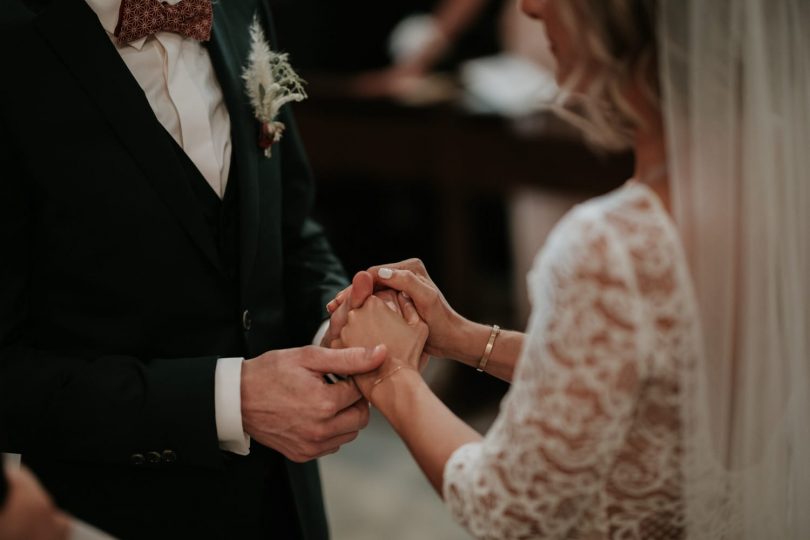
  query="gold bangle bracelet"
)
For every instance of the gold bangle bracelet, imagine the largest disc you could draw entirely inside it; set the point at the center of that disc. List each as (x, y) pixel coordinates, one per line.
(482, 364)
(389, 374)
(382, 378)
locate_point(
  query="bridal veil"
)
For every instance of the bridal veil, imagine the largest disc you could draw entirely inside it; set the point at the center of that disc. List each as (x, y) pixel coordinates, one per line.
(735, 79)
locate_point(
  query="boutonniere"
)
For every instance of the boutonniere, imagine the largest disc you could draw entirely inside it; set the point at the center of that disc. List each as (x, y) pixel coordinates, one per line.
(270, 83)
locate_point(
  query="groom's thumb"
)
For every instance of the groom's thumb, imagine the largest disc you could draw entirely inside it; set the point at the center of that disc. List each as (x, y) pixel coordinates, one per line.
(350, 361)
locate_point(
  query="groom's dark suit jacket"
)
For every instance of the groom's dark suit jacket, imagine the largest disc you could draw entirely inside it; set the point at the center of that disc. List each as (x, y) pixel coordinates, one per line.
(124, 279)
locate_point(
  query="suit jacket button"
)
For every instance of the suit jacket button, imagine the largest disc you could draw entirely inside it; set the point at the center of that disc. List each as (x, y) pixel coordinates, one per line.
(247, 321)
(152, 458)
(169, 456)
(136, 459)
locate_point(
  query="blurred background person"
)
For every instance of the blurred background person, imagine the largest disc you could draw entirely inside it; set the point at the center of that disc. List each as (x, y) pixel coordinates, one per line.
(417, 44)
(356, 37)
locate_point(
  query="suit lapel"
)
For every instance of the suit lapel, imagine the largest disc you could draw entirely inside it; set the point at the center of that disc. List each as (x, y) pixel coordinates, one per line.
(75, 35)
(228, 47)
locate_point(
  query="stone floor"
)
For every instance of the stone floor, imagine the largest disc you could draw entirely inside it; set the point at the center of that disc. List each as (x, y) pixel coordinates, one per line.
(374, 490)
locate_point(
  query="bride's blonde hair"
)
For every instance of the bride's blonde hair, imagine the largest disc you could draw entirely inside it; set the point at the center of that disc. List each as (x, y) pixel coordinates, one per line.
(616, 44)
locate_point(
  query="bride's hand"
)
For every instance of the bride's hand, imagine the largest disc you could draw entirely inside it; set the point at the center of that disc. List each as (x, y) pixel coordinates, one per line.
(446, 326)
(353, 297)
(377, 323)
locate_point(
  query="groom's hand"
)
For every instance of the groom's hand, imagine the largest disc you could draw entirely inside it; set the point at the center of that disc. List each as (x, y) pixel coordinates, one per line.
(287, 405)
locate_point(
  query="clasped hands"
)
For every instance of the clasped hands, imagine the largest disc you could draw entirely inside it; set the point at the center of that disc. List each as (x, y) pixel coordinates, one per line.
(385, 321)
(385, 318)
(399, 307)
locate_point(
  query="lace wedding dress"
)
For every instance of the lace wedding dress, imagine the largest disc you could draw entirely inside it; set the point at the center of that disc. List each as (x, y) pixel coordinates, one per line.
(587, 444)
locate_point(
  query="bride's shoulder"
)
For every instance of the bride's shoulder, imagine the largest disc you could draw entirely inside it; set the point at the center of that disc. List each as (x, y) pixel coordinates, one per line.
(630, 204)
(605, 229)
(633, 202)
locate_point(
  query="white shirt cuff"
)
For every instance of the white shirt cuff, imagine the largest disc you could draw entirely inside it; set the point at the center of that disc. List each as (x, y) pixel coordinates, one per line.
(321, 332)
(228, 406)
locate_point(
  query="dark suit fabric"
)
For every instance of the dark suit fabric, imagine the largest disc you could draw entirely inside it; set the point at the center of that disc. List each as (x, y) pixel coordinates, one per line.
(15, 12)
(123, 282)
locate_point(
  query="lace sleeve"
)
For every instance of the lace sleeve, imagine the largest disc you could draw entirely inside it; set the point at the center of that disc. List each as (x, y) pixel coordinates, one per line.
(542, 467)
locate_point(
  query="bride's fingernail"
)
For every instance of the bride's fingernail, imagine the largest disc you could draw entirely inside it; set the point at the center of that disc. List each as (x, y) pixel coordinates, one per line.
(385, 273)
(405, 295)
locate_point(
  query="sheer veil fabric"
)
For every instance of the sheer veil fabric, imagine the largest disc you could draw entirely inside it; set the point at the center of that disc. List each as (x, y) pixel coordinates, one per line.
(736, 84)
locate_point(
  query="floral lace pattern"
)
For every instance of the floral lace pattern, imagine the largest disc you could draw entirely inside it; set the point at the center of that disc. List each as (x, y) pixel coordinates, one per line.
(587, 444)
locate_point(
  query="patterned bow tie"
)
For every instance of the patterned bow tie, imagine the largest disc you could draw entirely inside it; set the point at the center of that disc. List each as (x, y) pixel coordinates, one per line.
(142, 18)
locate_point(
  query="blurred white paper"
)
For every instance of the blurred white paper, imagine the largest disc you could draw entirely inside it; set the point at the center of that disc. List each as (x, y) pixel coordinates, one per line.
(507, 84)
(83, 531)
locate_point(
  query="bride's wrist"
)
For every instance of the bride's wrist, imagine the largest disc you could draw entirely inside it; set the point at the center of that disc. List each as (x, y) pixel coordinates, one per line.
(471, 339)
(452, 342)
(392, 391)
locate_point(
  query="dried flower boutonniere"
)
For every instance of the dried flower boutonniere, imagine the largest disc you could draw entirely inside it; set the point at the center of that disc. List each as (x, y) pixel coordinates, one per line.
(271, 83)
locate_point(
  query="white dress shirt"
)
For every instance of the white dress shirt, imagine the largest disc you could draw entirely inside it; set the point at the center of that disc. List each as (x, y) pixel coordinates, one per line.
(179, 81)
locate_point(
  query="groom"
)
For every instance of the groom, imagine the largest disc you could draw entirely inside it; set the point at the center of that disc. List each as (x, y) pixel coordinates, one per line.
(148, 246)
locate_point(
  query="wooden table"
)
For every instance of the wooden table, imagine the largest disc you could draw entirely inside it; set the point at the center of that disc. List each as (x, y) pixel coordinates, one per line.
(457, 154)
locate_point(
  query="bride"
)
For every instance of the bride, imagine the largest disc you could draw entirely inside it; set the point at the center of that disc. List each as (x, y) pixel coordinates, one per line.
(662, 387)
